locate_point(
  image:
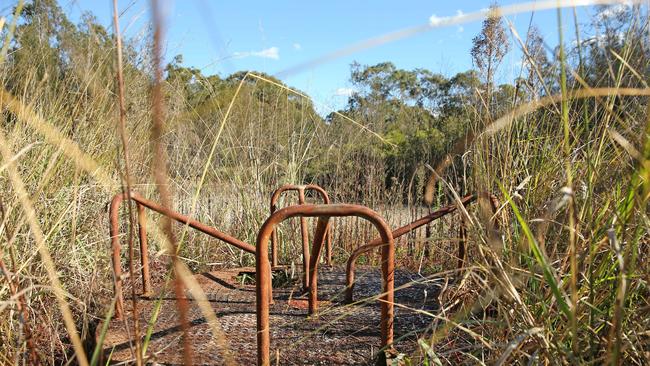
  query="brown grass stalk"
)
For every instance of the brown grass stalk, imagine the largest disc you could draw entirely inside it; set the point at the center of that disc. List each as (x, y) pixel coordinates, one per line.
(126, 188)
(160, 176)
(43, 250)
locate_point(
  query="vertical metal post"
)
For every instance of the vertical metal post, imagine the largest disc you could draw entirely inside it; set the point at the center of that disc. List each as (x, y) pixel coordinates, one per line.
(304, 230)
(274, 235)
(319, 239)
(144, 250)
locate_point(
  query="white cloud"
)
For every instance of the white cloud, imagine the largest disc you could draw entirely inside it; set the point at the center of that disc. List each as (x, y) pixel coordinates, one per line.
(460, 29)
(297, 46)
(435, 20)
(272, 53)
(344, 92)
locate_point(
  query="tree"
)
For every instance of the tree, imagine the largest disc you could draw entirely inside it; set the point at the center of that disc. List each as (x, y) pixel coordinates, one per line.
(536, 63)
(489, 47)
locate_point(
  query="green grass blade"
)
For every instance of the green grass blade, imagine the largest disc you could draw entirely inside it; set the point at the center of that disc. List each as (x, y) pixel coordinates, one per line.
(548, 272)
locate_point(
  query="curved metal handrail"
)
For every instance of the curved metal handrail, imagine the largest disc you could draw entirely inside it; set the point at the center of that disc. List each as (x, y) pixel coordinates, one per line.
(301, 189)
(349, 273)
(323, 212)
(143, 203)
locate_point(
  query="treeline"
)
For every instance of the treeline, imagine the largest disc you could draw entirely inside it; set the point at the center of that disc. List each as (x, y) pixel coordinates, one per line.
(67, 71)
(251, 133)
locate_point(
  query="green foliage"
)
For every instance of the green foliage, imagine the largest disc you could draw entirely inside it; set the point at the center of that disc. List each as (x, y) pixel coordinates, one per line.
(372, 152)
(420, 114)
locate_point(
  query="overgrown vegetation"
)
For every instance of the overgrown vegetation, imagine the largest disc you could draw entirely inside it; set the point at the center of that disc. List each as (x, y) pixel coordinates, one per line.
(563, 278)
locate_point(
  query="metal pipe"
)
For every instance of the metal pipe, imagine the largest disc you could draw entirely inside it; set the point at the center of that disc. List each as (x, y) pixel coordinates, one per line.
(304, 229)
(263, 266)
(326, 200)
(144, 250)
(193, 223)
(349, 273)
(144, 257)
(304, 233)
(319, 240)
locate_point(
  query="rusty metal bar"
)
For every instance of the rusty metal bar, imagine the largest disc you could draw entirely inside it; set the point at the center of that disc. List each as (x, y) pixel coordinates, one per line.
(326, 200)
(349, 274)
(144, 250)
(304, 233)
(301, 189)
(194, 224)
(263, 266)
(144, 256)
(319, 240)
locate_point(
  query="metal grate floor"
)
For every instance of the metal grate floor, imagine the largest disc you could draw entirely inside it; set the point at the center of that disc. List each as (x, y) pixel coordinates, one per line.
(340, 335)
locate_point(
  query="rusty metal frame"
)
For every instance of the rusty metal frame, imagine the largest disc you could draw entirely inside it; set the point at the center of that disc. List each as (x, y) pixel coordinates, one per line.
(323, 212)
(143, 203)
(349, 273)
(301, 189)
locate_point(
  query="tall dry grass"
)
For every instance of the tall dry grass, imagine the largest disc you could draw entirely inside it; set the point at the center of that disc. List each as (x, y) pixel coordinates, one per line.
(562, 279)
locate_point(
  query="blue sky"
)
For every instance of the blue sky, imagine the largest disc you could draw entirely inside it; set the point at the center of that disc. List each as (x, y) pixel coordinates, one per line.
(221, 37)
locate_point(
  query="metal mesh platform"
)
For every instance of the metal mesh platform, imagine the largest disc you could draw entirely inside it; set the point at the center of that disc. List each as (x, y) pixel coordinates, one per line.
(339, 335)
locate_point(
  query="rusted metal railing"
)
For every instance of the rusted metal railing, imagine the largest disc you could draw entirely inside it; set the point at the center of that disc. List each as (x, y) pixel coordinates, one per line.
(143, 203)
(301, 189)
(349, 274)
(323, 212)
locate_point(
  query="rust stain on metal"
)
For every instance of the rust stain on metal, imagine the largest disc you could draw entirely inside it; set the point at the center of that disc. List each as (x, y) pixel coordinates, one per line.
(323, 212)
